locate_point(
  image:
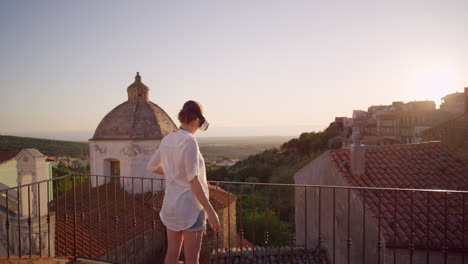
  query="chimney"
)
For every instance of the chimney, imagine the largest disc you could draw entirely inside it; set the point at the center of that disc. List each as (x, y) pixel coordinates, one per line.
(466, 100)
(357, 155)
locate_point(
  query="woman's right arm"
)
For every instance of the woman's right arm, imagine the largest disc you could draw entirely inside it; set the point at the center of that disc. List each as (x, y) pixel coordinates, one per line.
(154, 165)
(191, 164)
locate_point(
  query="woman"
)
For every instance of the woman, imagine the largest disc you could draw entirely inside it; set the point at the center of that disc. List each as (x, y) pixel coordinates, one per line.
(186, 202)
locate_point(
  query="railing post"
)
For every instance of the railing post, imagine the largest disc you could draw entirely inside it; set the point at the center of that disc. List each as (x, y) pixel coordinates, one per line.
(241, 227)
(125, 219)
(427, 226)
(305, 217)
(48, 218)
(252, 221)
(7, 224)
(74, 217)
(319, 225)
(229, 223)
(379, 232)
(217, 238)
(348, 240)
(463, 226)
(411, 245)
(143, 217)
(364, 227)
(395, 223)
(116, 222)
(445, 248)
(39, 216)
(153, 226)
(334, 226)
(19, 220)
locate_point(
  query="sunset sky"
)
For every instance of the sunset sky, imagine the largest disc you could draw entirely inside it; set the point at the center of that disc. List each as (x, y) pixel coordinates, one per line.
(258, 67)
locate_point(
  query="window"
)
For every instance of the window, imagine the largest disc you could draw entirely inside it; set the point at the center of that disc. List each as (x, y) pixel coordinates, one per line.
(115, 168)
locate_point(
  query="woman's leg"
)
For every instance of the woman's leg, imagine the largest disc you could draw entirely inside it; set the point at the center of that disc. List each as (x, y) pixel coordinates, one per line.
(174, 241)
(192, 245)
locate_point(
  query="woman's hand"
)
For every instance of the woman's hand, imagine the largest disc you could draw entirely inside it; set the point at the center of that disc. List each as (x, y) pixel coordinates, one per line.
(197, 190)
(159, 170)
(213, 221)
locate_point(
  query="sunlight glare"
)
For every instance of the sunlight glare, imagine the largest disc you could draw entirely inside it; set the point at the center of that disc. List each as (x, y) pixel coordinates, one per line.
(434, 83)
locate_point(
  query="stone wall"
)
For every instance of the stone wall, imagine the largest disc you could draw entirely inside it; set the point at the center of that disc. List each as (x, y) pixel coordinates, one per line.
(227, 218)
(228, 233)
(133, 157)
(140, 249)
(20, 232)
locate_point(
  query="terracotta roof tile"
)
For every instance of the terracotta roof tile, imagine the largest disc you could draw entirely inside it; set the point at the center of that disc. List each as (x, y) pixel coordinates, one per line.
(7, 155)
(419, 166)
(220, 198)
(97, 230)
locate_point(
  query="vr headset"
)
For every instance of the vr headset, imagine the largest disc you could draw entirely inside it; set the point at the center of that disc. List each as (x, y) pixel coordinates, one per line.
(203, 123)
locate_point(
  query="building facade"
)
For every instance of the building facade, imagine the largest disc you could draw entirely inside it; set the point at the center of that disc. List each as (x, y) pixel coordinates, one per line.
(25, 208)
(384, 224)
(127, 137)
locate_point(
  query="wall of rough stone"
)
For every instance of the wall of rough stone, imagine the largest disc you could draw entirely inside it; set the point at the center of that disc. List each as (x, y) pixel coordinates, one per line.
(139, 249)
(38, 245)
(211, 241)
(227, 218)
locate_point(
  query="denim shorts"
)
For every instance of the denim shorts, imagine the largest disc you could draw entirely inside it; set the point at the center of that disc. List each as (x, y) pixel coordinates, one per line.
(200, 223)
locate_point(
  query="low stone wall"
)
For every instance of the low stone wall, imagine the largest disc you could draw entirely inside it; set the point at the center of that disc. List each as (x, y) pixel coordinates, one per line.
(140, 249)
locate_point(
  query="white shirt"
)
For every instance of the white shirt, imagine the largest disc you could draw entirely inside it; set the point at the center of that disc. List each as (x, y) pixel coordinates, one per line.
(180, 158)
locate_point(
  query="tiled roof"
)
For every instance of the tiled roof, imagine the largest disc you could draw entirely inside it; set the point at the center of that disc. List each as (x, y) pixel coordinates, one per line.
(240, 241)
(419, 166)
(7, 155)
(96, 238)
(101, 232)
(220, 198)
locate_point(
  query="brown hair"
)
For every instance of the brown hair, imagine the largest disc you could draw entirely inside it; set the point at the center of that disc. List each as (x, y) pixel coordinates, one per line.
(190, 111)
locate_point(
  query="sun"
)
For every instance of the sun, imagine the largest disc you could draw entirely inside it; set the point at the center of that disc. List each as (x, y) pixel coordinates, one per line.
(433, 83)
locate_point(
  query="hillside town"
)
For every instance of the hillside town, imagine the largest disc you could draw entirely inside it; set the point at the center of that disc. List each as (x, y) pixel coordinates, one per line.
(403, 147)
(399, 122)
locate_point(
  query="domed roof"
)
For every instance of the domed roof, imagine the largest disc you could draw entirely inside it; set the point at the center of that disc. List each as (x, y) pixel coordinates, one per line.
(136, 119)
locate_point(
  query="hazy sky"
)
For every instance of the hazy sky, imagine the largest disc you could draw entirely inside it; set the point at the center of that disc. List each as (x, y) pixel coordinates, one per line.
(258, 67)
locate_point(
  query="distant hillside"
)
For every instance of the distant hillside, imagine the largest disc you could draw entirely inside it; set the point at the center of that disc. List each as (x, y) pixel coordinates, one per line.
(46, 146)
(216, 148)
(213, 148)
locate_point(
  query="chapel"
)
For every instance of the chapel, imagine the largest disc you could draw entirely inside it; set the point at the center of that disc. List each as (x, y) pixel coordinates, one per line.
(126, 138)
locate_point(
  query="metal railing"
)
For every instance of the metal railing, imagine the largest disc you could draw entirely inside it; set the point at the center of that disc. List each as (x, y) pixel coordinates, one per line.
(116, 219)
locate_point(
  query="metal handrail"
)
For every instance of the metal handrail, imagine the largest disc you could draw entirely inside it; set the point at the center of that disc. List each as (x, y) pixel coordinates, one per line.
(77, 214)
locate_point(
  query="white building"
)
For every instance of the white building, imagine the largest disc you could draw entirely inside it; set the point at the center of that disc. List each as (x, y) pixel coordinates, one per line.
(25, 208)
(127, 137)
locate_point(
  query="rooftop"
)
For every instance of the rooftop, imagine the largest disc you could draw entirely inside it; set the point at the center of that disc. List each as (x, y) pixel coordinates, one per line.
(98, 230)
(136, 119)
(7, 155)
(413, 166)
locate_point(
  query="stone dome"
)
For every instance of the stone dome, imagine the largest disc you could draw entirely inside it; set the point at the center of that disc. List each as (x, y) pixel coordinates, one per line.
(136, 119)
